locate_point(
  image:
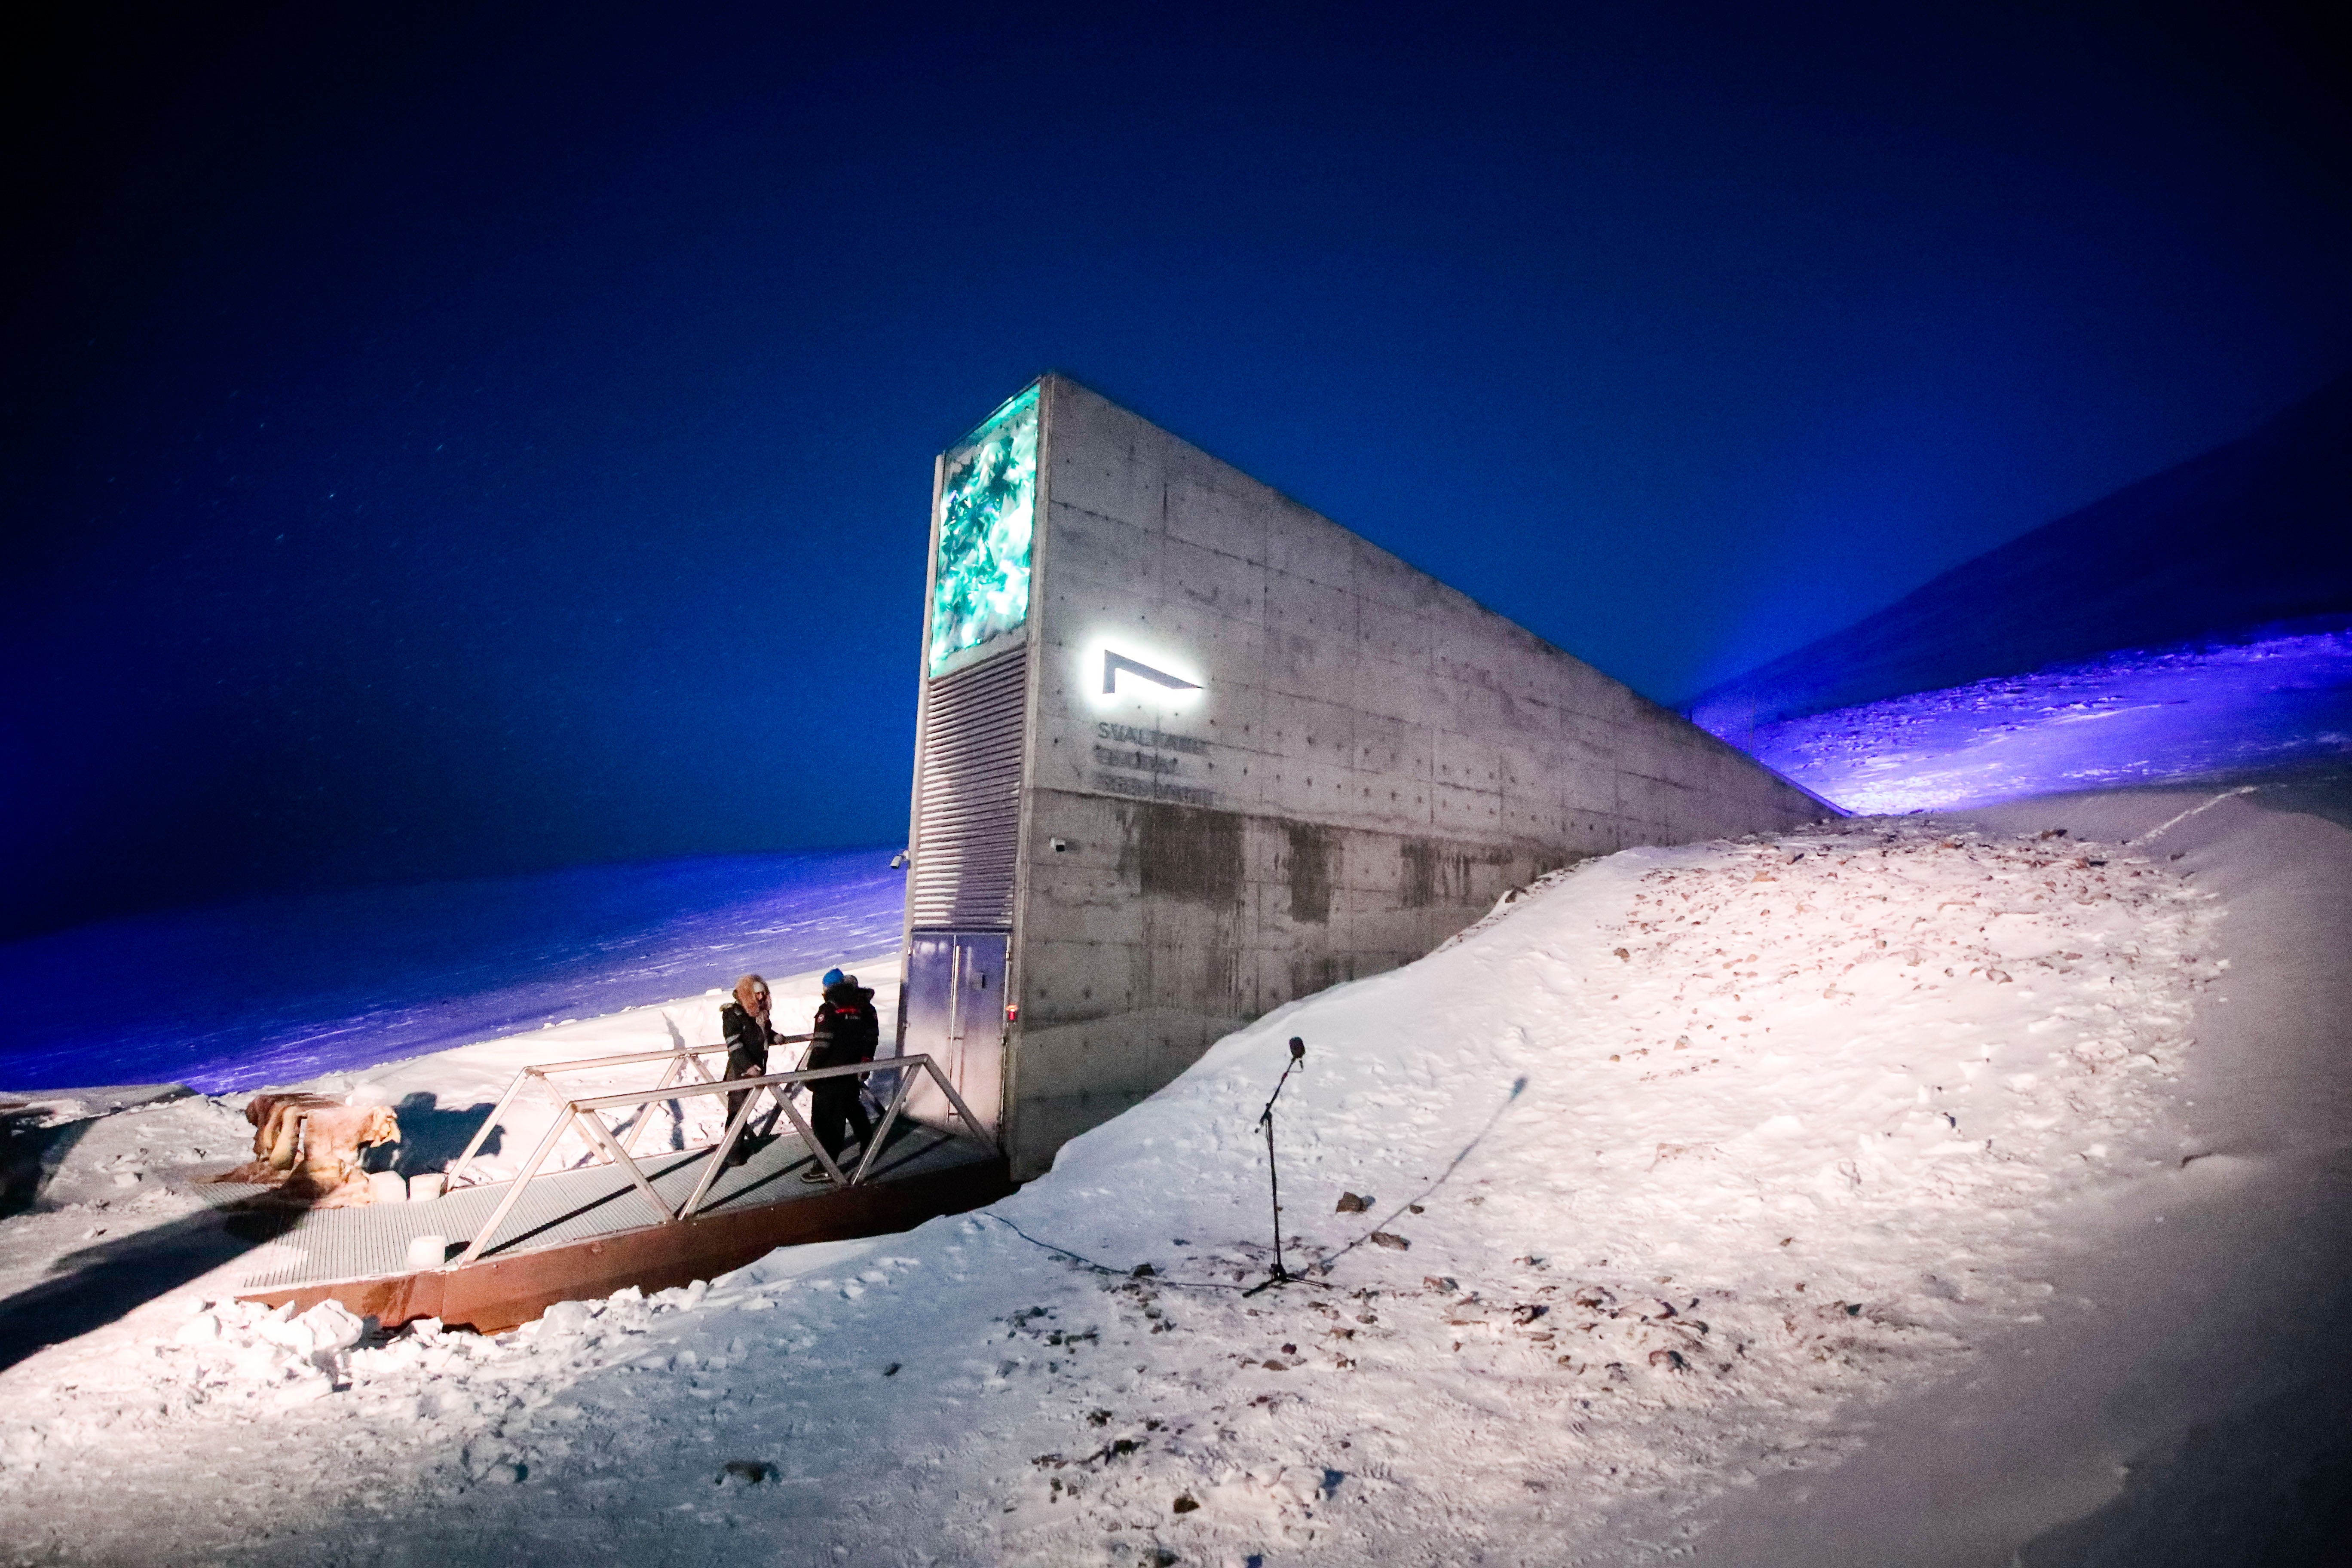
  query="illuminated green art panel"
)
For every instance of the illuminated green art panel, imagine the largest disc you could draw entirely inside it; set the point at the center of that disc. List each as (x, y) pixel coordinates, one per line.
(988, 502)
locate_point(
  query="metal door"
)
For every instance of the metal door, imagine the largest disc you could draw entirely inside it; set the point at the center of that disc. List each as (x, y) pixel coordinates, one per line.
(954, 1012)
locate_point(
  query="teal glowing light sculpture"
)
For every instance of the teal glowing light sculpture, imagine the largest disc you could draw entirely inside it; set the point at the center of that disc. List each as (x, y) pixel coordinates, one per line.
(988, 496)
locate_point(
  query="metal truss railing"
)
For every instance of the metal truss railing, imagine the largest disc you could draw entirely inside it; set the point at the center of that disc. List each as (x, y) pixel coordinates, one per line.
(679, 1060)
(585, 1112)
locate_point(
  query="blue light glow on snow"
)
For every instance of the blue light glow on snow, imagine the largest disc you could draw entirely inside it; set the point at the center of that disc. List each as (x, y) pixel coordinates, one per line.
(279, 990)
(2142, 716)
(988, 496)
(276, 990)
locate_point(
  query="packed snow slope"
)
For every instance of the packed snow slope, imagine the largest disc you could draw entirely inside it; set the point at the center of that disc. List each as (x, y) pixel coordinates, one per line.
(2137, 716)
(278, 989)
(2255, 533)
(1669, 1170)
(2185, 1399)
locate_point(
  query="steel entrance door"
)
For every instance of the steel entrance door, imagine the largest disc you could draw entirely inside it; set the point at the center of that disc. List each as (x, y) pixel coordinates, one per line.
(954, 1012)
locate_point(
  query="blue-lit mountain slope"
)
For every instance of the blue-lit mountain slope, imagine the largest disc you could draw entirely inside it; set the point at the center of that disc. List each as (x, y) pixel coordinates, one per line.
(2250, 534)
(278, 990)
(2264, 709)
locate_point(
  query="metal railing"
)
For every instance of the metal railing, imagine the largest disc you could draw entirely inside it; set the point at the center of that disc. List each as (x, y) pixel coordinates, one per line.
(585, 1112)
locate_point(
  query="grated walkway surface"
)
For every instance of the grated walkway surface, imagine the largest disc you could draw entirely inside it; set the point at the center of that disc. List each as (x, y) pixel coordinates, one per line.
(563, 1206)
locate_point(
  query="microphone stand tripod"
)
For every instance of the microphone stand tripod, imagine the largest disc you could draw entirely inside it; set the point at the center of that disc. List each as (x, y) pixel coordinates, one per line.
(1280, 1275)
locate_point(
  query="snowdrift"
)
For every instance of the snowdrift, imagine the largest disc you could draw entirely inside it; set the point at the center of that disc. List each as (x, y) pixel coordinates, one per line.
(1670, 1161)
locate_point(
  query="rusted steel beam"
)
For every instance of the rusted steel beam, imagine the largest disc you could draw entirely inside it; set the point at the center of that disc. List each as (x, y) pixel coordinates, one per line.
(498, 1293)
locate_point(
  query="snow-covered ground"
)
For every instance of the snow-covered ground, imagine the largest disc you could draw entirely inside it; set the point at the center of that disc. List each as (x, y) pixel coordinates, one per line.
(2134, 717)
(120, 1215)
(1677, 1170)
(274, 990)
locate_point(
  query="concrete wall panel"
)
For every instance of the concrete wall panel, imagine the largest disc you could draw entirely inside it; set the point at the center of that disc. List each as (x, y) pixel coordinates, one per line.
(1207, 511)
(1215, 581)
(1372, 759)
(1300, 545)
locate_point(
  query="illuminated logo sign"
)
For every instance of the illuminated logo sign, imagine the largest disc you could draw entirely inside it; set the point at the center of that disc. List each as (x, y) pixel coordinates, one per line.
(988, 501)
(1134, 755)
(1128, 673)
(1117, 664)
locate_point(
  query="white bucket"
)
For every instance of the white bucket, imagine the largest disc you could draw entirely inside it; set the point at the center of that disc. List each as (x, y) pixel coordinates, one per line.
(387, 1187)
(427, 1186)
(427, 1251)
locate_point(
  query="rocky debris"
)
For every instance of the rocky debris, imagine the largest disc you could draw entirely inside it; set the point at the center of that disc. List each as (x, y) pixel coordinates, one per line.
(1391, 1239)
(1354, 1203)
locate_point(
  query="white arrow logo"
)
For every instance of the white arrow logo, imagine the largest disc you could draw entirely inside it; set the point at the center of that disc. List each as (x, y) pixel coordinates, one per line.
(1115, 662)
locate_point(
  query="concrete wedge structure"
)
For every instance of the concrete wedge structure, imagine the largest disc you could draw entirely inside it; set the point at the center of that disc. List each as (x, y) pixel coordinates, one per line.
(1187, 751)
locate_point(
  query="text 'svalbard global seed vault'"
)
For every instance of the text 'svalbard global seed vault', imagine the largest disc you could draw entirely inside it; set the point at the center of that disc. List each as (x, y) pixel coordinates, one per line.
(1187, 751)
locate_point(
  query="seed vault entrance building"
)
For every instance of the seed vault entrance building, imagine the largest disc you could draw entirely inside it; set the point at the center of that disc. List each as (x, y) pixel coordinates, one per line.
(1186, 750)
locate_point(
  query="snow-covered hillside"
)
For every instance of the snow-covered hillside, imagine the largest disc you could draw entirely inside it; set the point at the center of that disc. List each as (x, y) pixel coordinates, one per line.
(1665, 1167)
(2248, 536)
(2139, 716)
(274, 990)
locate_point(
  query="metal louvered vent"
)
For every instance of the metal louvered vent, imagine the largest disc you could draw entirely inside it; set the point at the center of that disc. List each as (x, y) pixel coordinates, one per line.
(968, 823)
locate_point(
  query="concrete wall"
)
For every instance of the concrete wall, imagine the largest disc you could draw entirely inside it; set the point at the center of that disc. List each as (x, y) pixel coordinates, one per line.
(1371, 760)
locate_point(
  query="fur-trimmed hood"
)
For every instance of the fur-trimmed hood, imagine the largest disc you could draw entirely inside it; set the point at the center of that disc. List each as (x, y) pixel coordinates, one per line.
(749, 1002)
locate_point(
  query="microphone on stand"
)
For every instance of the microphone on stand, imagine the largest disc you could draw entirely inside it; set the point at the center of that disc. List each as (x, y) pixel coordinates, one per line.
(1281, 1276)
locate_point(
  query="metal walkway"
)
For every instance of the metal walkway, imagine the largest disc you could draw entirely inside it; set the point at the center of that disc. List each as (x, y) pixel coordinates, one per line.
(563, 1207)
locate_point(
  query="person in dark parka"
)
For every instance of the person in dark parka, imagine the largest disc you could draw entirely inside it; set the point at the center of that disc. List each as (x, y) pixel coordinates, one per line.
(748, 1035)
(847, 1031)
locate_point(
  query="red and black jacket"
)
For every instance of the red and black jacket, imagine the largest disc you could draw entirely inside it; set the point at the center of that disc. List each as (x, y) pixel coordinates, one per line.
(846, 1030)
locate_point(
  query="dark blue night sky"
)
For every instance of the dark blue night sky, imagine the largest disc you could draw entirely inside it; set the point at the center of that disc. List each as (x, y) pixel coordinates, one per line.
(445, 441)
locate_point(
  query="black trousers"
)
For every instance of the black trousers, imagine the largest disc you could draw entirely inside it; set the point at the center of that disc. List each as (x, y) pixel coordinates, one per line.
(744, 1064)
(833, 1102)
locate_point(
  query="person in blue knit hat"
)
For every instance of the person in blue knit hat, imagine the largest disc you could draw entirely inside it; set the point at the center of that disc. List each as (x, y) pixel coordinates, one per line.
(847, 1031)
